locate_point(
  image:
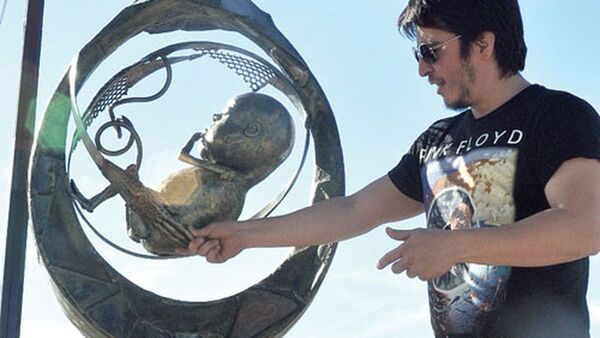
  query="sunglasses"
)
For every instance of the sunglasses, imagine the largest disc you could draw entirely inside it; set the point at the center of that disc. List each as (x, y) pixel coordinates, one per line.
(426, 51)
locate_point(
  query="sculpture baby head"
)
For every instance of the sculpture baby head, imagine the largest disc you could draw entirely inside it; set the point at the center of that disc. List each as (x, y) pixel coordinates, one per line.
(254, 131)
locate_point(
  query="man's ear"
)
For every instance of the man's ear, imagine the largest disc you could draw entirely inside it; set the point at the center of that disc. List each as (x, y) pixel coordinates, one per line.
(484, 44)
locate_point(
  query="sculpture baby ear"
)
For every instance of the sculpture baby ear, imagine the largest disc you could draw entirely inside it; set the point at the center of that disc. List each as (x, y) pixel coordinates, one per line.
(253, 129)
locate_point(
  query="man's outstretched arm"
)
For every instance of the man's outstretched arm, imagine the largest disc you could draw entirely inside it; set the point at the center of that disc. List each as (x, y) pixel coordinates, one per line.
(327, 221)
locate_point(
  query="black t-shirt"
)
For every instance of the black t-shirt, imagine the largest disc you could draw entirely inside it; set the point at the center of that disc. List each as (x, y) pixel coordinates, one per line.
(492, 171)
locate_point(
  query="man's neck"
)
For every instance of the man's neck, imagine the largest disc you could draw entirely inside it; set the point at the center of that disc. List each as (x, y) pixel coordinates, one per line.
(498, 92)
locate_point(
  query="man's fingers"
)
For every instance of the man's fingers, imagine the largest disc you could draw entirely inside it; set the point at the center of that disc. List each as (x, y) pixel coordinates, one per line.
(195, 244)
(202, 232)
(207, 247)
(400, 266)
(400, 235)
(391, 257)
(214, 255)
(410, 273)
(183, 251)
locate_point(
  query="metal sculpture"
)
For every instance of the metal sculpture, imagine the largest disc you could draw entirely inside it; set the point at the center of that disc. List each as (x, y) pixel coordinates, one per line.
(243, 146)
(101, 302)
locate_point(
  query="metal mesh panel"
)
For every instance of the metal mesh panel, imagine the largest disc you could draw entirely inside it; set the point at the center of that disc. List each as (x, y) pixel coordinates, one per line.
(254, 74)
(112, 91)
(110, 96)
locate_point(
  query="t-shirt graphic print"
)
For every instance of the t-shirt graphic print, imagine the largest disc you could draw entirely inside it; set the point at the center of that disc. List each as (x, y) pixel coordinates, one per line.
(461, 192)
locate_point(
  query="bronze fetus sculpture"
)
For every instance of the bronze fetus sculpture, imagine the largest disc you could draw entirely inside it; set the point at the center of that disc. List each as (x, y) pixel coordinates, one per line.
(245, 144)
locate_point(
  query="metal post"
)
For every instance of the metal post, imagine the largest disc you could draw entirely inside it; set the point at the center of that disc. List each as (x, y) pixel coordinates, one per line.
(18, 215)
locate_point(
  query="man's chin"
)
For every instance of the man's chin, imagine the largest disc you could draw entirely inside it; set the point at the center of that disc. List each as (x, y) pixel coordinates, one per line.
(457, 105)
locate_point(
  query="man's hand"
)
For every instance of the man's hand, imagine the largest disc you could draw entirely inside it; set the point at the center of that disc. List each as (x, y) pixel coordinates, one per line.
(218, 242)
(424, 253)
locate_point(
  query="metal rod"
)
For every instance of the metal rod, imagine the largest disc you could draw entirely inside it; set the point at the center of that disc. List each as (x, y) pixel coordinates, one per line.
(18, 214)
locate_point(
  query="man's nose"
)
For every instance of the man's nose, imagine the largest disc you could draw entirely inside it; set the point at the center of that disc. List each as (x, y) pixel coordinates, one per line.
(424, 68)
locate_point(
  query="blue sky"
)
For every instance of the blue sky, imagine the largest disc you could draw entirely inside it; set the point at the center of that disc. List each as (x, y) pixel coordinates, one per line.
(369, 76)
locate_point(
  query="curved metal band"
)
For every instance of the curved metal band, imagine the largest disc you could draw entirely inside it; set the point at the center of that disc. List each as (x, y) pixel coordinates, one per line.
(119, 308)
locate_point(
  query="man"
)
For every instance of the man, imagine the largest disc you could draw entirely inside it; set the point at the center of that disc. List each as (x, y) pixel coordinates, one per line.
(517, 173)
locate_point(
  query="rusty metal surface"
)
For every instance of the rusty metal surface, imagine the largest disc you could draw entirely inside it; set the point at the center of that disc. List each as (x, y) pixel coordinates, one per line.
(101, 302)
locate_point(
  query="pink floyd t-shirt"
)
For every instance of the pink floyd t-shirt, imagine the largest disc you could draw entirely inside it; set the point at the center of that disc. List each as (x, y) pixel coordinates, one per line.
(491, 171)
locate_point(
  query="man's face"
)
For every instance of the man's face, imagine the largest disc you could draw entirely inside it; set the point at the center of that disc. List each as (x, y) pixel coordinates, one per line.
(453, 75)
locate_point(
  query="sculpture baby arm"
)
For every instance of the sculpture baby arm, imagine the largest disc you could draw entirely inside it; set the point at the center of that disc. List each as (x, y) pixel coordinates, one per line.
(186, 157)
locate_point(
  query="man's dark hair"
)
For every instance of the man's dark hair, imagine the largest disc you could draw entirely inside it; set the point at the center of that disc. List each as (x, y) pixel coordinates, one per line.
(470, 18)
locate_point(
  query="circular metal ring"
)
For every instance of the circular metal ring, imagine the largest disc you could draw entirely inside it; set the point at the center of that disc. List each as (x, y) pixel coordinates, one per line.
(100, 301)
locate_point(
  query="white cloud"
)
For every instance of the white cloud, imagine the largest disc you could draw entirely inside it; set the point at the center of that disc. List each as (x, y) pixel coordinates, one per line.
(49, 328)
(384, 319)
(398, 322)
(384, 278)
(594, 308)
